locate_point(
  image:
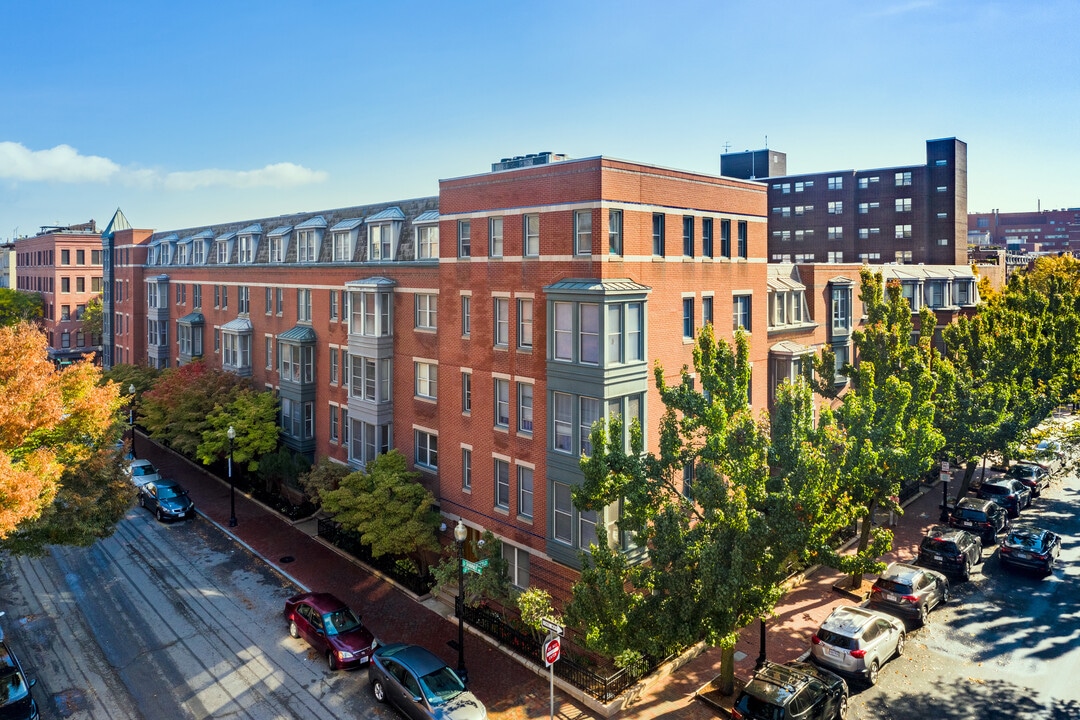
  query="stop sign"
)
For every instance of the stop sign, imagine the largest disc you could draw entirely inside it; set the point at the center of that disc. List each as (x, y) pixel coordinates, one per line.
(552, 648)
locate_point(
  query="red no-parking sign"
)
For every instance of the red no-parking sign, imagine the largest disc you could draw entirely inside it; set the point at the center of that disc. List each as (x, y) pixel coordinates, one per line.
(552, 649)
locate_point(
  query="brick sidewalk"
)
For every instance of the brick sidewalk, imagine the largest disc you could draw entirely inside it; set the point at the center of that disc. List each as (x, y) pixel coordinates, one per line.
(510, 691)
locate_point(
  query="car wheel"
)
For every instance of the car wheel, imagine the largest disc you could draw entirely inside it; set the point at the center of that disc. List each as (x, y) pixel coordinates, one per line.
(1049, 569)
(142, 501)
(872, 673)
(922, 614)
(379, 691)
(293, 630)
(900, 642)
(965, 574)
(160, 515)
(841, 712)
(331, 660)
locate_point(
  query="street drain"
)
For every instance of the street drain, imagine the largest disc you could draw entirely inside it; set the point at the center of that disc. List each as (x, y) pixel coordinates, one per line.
(69, 702)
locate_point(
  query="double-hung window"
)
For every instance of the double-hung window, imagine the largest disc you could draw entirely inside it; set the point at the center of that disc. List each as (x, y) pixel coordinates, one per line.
(741, 312)
(502, 403)
(583, 232)
(502, 321)
(841, 309)
(563, 422)
(426, 311)
(427, 449)
(742, 239)
(525, 323)
(427, 244)
(495, 237)
(725, 238)
(501, 472)
(707, 237)
(615, 233)
(564, 330)
(464, 238)
(589, 334)
(305, 246)
(303, 305)
(427, 380)
(688, 236)
(525, 496)
(531, 232)
(525, 407)
(658, 234)
(589, 413)
(466, 315)
(688, 318)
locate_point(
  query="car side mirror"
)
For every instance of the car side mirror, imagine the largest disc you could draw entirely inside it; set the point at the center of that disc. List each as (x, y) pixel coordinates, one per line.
(32, 682)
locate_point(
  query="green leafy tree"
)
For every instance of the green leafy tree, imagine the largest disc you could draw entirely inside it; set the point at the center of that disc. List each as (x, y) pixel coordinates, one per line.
(492, 583)
(253, 416)
(887, 413)
(141, 376)
(282, 469)
(18, 306)
(384, 503)
(178, 408)
(91, 319)
(323, 476)
(717, 550)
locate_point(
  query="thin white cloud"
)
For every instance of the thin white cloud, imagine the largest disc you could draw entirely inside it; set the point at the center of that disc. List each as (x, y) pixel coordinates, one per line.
(278, 175)
(63, 163)
(902, 8)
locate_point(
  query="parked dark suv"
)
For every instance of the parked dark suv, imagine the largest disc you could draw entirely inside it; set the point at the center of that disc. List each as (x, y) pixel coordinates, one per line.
(982, 517)
(909, 590)
(792, 691)
(950, 550)
(1010, 494)
(1035, 477)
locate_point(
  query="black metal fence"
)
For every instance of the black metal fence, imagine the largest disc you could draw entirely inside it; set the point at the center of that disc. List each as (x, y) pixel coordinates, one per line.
(350, 542)
(603, 688)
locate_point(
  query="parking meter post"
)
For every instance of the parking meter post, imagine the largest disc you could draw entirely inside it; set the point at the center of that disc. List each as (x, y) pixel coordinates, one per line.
(944, 497)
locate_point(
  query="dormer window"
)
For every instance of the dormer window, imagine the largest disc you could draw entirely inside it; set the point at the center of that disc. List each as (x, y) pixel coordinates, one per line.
(305, 246)
(380, 243)
(427, 235)
(198, 252)
(221, 248)
(343, 246)
(182, 254)
(247, 248)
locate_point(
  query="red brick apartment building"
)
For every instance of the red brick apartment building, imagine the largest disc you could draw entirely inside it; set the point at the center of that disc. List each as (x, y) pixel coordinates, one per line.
(483, 331)
(63, 264)
(907, 214)
(1045, 231)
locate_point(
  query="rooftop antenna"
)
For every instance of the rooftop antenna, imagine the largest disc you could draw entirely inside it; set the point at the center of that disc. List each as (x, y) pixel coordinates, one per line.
(766, 142)
(727, 146)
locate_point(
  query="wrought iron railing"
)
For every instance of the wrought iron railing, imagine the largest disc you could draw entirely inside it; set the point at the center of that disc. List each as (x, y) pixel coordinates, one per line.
(604, 688)
(350, 542)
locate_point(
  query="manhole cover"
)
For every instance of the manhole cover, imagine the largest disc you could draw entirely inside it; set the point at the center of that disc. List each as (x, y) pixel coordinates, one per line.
(287, 559)
(68, 702)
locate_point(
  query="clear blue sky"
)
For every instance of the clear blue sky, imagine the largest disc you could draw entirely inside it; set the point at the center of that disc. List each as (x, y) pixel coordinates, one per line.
(187, 114)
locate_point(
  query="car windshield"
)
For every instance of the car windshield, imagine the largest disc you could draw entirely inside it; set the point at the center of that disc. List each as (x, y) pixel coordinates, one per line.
(12, 684)
(170, 491)
(1023, 471)
(141, 470)
(340, 621)
(441, 686)
(996, 490)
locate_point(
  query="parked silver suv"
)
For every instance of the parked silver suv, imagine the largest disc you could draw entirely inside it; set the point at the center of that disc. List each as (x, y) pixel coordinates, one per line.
(856, 641)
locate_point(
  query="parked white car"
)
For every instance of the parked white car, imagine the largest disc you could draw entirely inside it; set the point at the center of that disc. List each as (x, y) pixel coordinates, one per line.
(142, 471)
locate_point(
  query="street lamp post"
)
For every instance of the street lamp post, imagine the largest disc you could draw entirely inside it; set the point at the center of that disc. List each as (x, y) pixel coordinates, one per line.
(460, 533)
(232, 485)
(131, 418)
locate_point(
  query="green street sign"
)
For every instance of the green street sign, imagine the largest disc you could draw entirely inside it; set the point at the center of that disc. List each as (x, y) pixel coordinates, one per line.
(474, 567)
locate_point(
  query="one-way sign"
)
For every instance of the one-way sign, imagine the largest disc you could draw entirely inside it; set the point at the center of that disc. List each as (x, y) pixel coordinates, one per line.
(552, 626)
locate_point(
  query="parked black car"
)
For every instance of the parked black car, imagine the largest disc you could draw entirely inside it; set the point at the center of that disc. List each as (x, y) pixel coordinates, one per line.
(792, 691)
(983, 517)
(1031, 548)
(1010, 494)
(909, 590)
(16, 702)
(166, 499)
(1034, 476)
(950, 550)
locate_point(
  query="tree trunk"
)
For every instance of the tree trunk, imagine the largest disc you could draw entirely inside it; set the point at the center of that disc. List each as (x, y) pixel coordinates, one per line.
(855, 580)
(969, 472)
(727, 671)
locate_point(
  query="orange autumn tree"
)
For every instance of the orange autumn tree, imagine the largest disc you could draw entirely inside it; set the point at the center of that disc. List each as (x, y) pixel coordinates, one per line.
(52, 422)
